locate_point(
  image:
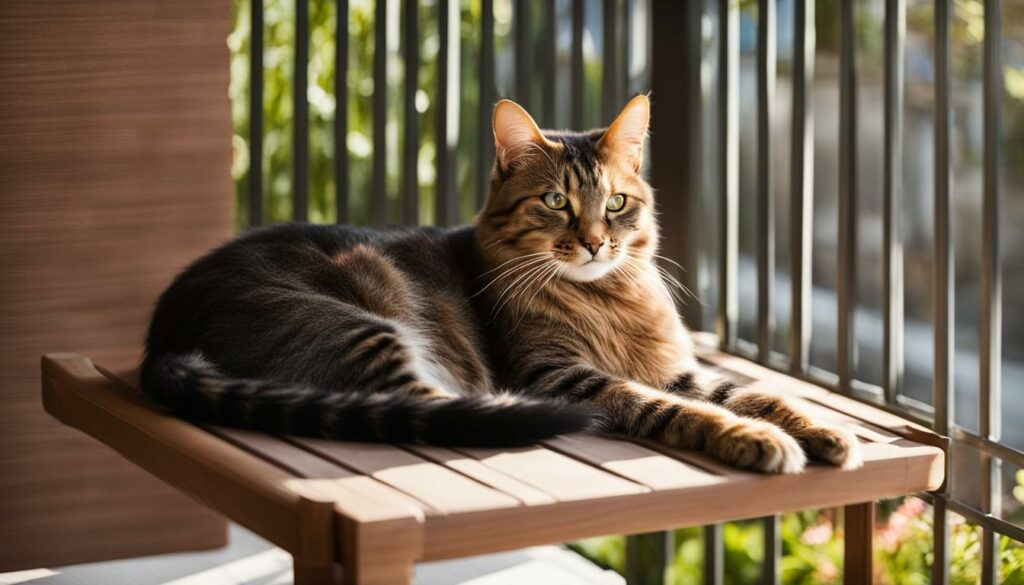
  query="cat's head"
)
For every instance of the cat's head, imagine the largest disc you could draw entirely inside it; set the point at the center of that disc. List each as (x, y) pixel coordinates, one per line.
(574, 202)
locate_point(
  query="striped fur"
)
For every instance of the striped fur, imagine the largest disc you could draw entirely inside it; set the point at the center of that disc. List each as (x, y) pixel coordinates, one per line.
(547, 316)
(615, 342)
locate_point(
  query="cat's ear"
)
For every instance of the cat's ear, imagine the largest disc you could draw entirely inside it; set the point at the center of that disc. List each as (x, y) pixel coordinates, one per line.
(516, 135)
(625, 137)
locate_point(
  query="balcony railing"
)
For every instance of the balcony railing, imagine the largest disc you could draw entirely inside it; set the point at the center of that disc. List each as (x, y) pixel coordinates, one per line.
(692, 53)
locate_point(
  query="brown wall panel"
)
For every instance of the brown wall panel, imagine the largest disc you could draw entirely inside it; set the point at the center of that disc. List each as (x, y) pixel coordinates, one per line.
(115, 154)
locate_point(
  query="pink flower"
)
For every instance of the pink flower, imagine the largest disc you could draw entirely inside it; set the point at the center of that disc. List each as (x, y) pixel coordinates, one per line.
(817, 534)
(892, 533)
(827, 571)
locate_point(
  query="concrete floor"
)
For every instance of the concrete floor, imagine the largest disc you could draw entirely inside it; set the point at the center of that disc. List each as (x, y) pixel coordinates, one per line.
(251, 560)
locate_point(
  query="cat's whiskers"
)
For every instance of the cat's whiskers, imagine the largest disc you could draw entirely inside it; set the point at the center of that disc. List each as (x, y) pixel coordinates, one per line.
(671, 281)
(493, 244)
(556, 272)
(527, 262)
(510, 260)
(515, 286)
(535, 277)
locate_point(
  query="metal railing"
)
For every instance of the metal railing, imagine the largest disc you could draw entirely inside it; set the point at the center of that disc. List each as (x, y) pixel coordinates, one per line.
(940, 414)
(676, 43)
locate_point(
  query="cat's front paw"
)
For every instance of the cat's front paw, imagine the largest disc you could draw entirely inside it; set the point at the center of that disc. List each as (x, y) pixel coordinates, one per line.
(758, 445)
(831, 444)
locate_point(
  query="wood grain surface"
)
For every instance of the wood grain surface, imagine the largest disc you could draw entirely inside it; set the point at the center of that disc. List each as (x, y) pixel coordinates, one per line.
(115, 156)
(414, 503)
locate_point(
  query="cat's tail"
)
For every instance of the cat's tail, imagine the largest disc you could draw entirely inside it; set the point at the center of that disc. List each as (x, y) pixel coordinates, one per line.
(193, 388)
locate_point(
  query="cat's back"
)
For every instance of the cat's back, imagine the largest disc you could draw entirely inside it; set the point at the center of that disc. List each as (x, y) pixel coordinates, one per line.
(288, 254)
(390, 272)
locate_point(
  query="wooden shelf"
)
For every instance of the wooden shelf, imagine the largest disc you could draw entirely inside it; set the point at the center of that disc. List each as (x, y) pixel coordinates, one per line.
(376, 509)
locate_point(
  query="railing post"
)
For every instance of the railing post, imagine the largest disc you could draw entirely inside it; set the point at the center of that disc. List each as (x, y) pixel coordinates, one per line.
(859, 522)
(675, 165)
(943, 285)
(648, 557)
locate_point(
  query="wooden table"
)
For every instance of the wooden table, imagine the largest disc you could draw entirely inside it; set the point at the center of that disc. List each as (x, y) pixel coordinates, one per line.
(368, 512)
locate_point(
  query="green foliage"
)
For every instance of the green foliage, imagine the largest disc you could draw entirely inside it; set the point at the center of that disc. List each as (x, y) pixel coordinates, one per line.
(812, 549)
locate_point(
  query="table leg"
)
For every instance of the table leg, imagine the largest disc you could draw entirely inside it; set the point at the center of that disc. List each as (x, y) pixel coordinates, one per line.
(859, 522)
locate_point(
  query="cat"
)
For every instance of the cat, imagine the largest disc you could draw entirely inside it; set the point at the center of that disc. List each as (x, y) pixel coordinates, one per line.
(547, 316)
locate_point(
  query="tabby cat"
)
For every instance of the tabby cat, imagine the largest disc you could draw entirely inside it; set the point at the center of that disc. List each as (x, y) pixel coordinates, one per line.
(547, 316)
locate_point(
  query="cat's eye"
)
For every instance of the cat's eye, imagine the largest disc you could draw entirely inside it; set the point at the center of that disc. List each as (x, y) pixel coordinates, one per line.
(555, 200)
(616, 202)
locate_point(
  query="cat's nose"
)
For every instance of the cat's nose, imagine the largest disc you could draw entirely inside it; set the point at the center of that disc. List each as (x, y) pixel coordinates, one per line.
(592, 243)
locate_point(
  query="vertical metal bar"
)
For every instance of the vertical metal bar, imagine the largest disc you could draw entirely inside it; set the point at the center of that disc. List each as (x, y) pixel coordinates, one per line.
(524, 52)
(892, 245)
(411, 134)
(378, 194)
(765, 190)
(990, 346)
(678, 172)
(771, 568)
(341, 113)
(609, 67)
(802, 177)
(648, 556)
(577, 64)
(859, 520)
(447, 195)
(549, 62)
(623, 18)
(487, 93)
(728, 175)
(943, 284)
(846, 279)
(256, 115)
(714, 554)
(300, 117)
(941, 538)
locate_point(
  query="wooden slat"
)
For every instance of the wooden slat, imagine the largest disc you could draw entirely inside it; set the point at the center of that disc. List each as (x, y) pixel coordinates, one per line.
(705, 462)
(633, 462)
(560, 476)
(356, 496)
(445, 491)
(902, 467)
(281, 453)
(470, 467)
(248, 490)
(448, 503)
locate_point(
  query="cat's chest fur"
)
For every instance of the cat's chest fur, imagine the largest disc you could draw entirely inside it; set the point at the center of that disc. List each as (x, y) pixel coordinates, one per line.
(634, 333)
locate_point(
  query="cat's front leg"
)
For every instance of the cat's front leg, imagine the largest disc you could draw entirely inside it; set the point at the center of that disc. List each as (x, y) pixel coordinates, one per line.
(635, 410)
(829, 443)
